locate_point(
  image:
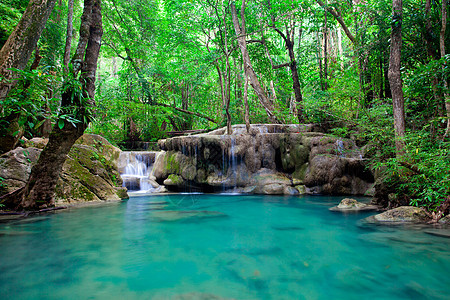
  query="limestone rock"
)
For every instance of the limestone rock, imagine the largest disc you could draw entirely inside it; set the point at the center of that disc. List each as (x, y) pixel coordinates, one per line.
(89, 173)
(402, 214)
(15, 168)
(36, 142)
(445, 220)
(349, 204)
(319, 162)
(174, 180)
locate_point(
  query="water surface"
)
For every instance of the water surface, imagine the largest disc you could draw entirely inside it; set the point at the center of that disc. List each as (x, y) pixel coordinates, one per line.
(218, 247)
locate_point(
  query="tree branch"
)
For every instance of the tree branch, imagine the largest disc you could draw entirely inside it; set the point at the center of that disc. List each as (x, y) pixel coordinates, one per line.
(187, 112)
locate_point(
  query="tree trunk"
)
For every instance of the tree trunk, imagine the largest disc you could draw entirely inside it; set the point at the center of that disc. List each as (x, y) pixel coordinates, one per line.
(39, 190)
(17, 50)
(247, 110)
(341, 52)
(325, 54)
(394, 75)
(442, 48)
(248, 69)
(227, 79)
(69, 34)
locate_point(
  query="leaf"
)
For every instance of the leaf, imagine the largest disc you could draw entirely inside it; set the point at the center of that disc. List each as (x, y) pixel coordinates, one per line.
(61, 124)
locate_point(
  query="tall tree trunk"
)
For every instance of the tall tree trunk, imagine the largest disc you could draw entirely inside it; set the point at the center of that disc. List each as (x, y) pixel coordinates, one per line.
(247, 110)
(227, 78)
(394, 75)
(325, 53)
(341, 52)
(320, 59)
(442, 48)
(69, 34)
(17, 50)
(39, 190)
(248, 69)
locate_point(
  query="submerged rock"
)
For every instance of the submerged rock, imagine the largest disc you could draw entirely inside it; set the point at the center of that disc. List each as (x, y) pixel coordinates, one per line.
(182, 215)
(349, 204)
(89, 173)
(402, 214)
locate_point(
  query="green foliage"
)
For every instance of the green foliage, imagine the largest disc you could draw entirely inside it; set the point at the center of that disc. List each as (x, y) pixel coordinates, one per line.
(79, 108)
(10, 12)
(30, 100)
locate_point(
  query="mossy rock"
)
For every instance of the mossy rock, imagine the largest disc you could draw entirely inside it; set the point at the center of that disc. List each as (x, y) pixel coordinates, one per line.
(90, 172)
(174, 180)
(402, 214)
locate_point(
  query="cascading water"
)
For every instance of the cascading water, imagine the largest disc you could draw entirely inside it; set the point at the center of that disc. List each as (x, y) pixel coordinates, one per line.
(136, 171)
(233, 161)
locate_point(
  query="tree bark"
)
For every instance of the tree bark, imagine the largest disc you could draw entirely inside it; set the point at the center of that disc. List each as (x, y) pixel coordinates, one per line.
(289, 42)
(338, 17)
(17, 50)
(394, 75)
(341, 52)
(247, 110)
(39, 190)
(248, 69)
(325, 53)
(442, 48)
(69, 34)
(187, 112)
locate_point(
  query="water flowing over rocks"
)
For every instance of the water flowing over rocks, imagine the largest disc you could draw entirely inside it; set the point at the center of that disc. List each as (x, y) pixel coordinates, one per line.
(272, 159)
(90, 172)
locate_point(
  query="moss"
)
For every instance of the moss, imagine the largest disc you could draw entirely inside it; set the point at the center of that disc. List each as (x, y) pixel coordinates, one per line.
(175, 179)
(122, 193)
(300, 172)
(172, 163)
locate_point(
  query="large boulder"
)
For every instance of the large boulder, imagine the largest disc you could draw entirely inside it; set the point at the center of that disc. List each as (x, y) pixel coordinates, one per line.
(402, 214)
(15, 168)
(89, 174)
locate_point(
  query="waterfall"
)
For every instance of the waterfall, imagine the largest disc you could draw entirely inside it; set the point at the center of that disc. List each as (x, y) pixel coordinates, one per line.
(135, 169)
(233, 160)
(340, 149)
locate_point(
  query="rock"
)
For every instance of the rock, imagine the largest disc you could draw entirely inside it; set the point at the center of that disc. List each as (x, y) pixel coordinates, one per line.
(349, 204)
(89, 173)
(174, 180)
(301, 189)
(338, 175)
(289, 190)
(445, 220)
(15, 168)
(445, 233)
(273, 189)
(211, 161)
(36, 142)
(402, 214)
(153, 183)
(271, 182)
(182, 215)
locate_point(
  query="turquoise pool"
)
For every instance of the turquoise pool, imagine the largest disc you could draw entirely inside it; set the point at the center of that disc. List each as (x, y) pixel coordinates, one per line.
(219, 247)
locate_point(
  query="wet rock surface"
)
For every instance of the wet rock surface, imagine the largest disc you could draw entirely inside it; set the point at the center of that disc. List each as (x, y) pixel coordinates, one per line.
(271, 159)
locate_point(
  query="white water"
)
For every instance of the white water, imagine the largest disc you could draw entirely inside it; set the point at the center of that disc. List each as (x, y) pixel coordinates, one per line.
(137, 172)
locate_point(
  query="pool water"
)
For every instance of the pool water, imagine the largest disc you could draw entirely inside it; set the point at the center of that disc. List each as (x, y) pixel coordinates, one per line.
(219, 247)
